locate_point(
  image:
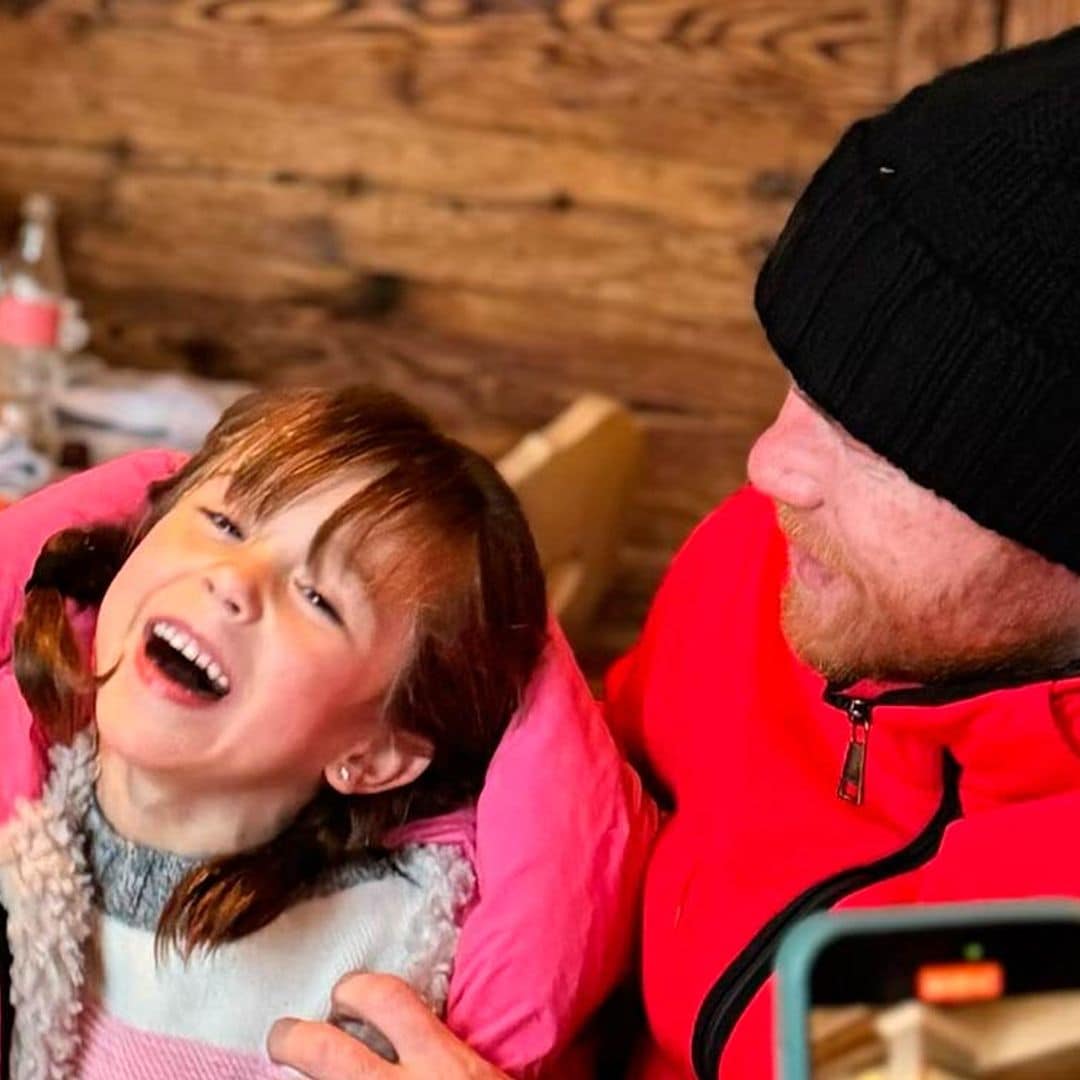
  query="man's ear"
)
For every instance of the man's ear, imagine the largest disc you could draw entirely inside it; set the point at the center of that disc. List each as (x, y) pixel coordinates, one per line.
(394, 761)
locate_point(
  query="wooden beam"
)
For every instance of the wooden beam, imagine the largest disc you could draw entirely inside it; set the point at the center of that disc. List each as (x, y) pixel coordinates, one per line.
(1029, 20)
(932, 35)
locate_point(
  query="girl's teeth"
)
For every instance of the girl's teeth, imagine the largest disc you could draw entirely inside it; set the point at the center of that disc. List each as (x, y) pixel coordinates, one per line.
(183, 644)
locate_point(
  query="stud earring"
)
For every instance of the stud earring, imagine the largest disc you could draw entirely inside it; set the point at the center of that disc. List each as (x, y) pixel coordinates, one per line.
(344, 774)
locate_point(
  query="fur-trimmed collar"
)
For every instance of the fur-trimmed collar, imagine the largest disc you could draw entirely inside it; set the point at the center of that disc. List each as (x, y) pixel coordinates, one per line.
(46, 888)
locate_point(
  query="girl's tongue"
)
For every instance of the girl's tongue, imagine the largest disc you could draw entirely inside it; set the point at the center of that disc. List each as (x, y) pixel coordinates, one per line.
(174, 665)
(171, 669)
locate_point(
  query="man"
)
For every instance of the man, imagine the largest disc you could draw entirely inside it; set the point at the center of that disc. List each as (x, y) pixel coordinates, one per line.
(859, 682)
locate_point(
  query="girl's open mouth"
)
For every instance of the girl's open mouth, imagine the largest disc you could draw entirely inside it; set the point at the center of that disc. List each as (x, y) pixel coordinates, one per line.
(187, 664)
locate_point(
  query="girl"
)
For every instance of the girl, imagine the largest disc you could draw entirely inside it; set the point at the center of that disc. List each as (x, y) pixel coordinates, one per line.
(318, 634)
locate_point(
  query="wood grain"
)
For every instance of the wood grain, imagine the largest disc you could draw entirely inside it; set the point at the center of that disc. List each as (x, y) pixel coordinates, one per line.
(932, 35)
(1025, 21)
(489, 205)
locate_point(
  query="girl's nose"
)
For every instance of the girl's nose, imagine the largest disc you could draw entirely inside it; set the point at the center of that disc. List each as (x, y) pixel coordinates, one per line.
(790, 460)
(236, 584)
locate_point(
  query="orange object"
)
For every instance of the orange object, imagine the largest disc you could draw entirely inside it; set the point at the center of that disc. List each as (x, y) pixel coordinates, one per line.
(944, 984)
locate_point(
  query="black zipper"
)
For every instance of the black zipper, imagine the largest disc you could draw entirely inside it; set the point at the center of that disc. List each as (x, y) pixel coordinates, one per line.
(853, 772)
(729, 996)
(733, 991)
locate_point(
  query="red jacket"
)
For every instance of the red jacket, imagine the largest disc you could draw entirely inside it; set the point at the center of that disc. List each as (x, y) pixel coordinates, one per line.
(975, 798)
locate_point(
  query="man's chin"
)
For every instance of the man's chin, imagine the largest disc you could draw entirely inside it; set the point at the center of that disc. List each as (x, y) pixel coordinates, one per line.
(838, 644)
(841, 659)
(849, 635)
(816, 639)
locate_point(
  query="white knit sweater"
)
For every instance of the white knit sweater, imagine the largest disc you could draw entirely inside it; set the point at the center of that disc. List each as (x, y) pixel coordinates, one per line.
(93, 1002)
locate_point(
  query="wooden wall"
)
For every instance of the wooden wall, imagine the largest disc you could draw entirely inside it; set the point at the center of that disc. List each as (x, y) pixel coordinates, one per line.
(491, 205)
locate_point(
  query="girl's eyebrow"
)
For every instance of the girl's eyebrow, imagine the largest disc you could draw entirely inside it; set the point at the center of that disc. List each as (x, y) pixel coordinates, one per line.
(348, 576)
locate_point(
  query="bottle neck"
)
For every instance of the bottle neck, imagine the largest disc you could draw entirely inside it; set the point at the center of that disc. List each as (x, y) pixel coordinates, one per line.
(35, 269)
(31, 243)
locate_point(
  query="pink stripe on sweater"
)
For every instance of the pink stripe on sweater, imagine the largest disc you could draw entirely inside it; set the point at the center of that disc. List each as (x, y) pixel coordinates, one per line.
(112, 1050)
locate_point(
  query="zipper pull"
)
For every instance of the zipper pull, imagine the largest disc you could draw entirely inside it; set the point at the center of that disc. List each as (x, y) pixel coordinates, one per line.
(853, 774)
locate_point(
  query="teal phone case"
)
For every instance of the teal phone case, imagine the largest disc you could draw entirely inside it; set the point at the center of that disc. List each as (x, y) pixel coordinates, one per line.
(800, 947)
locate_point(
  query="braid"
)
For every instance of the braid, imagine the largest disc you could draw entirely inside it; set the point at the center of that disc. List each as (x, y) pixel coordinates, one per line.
(78, 565)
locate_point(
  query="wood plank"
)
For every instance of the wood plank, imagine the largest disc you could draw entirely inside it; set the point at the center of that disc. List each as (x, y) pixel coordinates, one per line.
(571, 323)
(259, 240)
(526, 364)
(691, 465)
(370, 152)
(932, 35)
(675, 365)
(696, 68)
(187, 85)
(1029, 20)
(79, 180)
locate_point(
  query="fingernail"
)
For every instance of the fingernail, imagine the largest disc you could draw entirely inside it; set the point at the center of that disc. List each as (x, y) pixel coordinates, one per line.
(368, 1034)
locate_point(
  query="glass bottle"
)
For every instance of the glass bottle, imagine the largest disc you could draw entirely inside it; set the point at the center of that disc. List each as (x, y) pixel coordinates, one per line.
(31, 367)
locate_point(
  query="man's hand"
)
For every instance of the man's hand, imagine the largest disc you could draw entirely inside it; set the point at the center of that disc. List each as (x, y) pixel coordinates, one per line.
(424, 1046)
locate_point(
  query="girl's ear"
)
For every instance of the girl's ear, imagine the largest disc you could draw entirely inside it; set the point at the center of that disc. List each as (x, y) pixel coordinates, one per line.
(394, 762)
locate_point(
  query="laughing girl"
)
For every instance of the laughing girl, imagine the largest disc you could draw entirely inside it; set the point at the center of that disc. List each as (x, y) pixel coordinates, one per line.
(318, 635)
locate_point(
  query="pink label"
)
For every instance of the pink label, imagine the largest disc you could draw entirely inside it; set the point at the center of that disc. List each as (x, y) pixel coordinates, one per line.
(28, 322)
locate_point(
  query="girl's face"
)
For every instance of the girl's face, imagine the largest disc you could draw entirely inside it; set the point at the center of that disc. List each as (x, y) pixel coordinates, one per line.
(241, 665)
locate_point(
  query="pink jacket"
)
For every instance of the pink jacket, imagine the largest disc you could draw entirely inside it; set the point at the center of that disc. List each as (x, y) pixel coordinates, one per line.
(560, 837)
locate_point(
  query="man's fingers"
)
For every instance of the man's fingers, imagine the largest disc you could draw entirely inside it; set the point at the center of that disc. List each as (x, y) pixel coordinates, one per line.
(424, 1046)
(323, 1052)
(392, 1006)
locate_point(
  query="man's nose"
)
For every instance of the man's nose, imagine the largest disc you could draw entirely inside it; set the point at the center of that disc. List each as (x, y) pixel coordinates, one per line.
(236, 583)
(790, 460)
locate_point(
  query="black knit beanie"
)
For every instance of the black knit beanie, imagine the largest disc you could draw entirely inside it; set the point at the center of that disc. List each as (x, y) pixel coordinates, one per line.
(925, 292)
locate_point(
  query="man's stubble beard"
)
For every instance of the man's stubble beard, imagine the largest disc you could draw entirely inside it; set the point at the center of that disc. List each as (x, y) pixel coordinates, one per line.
(1002, 618)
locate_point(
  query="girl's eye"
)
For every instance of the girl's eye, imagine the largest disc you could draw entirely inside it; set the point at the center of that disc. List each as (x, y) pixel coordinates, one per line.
(318, 601)
(223, 523)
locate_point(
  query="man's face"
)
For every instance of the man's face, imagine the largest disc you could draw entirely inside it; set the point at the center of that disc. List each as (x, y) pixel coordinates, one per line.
(889, 581)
